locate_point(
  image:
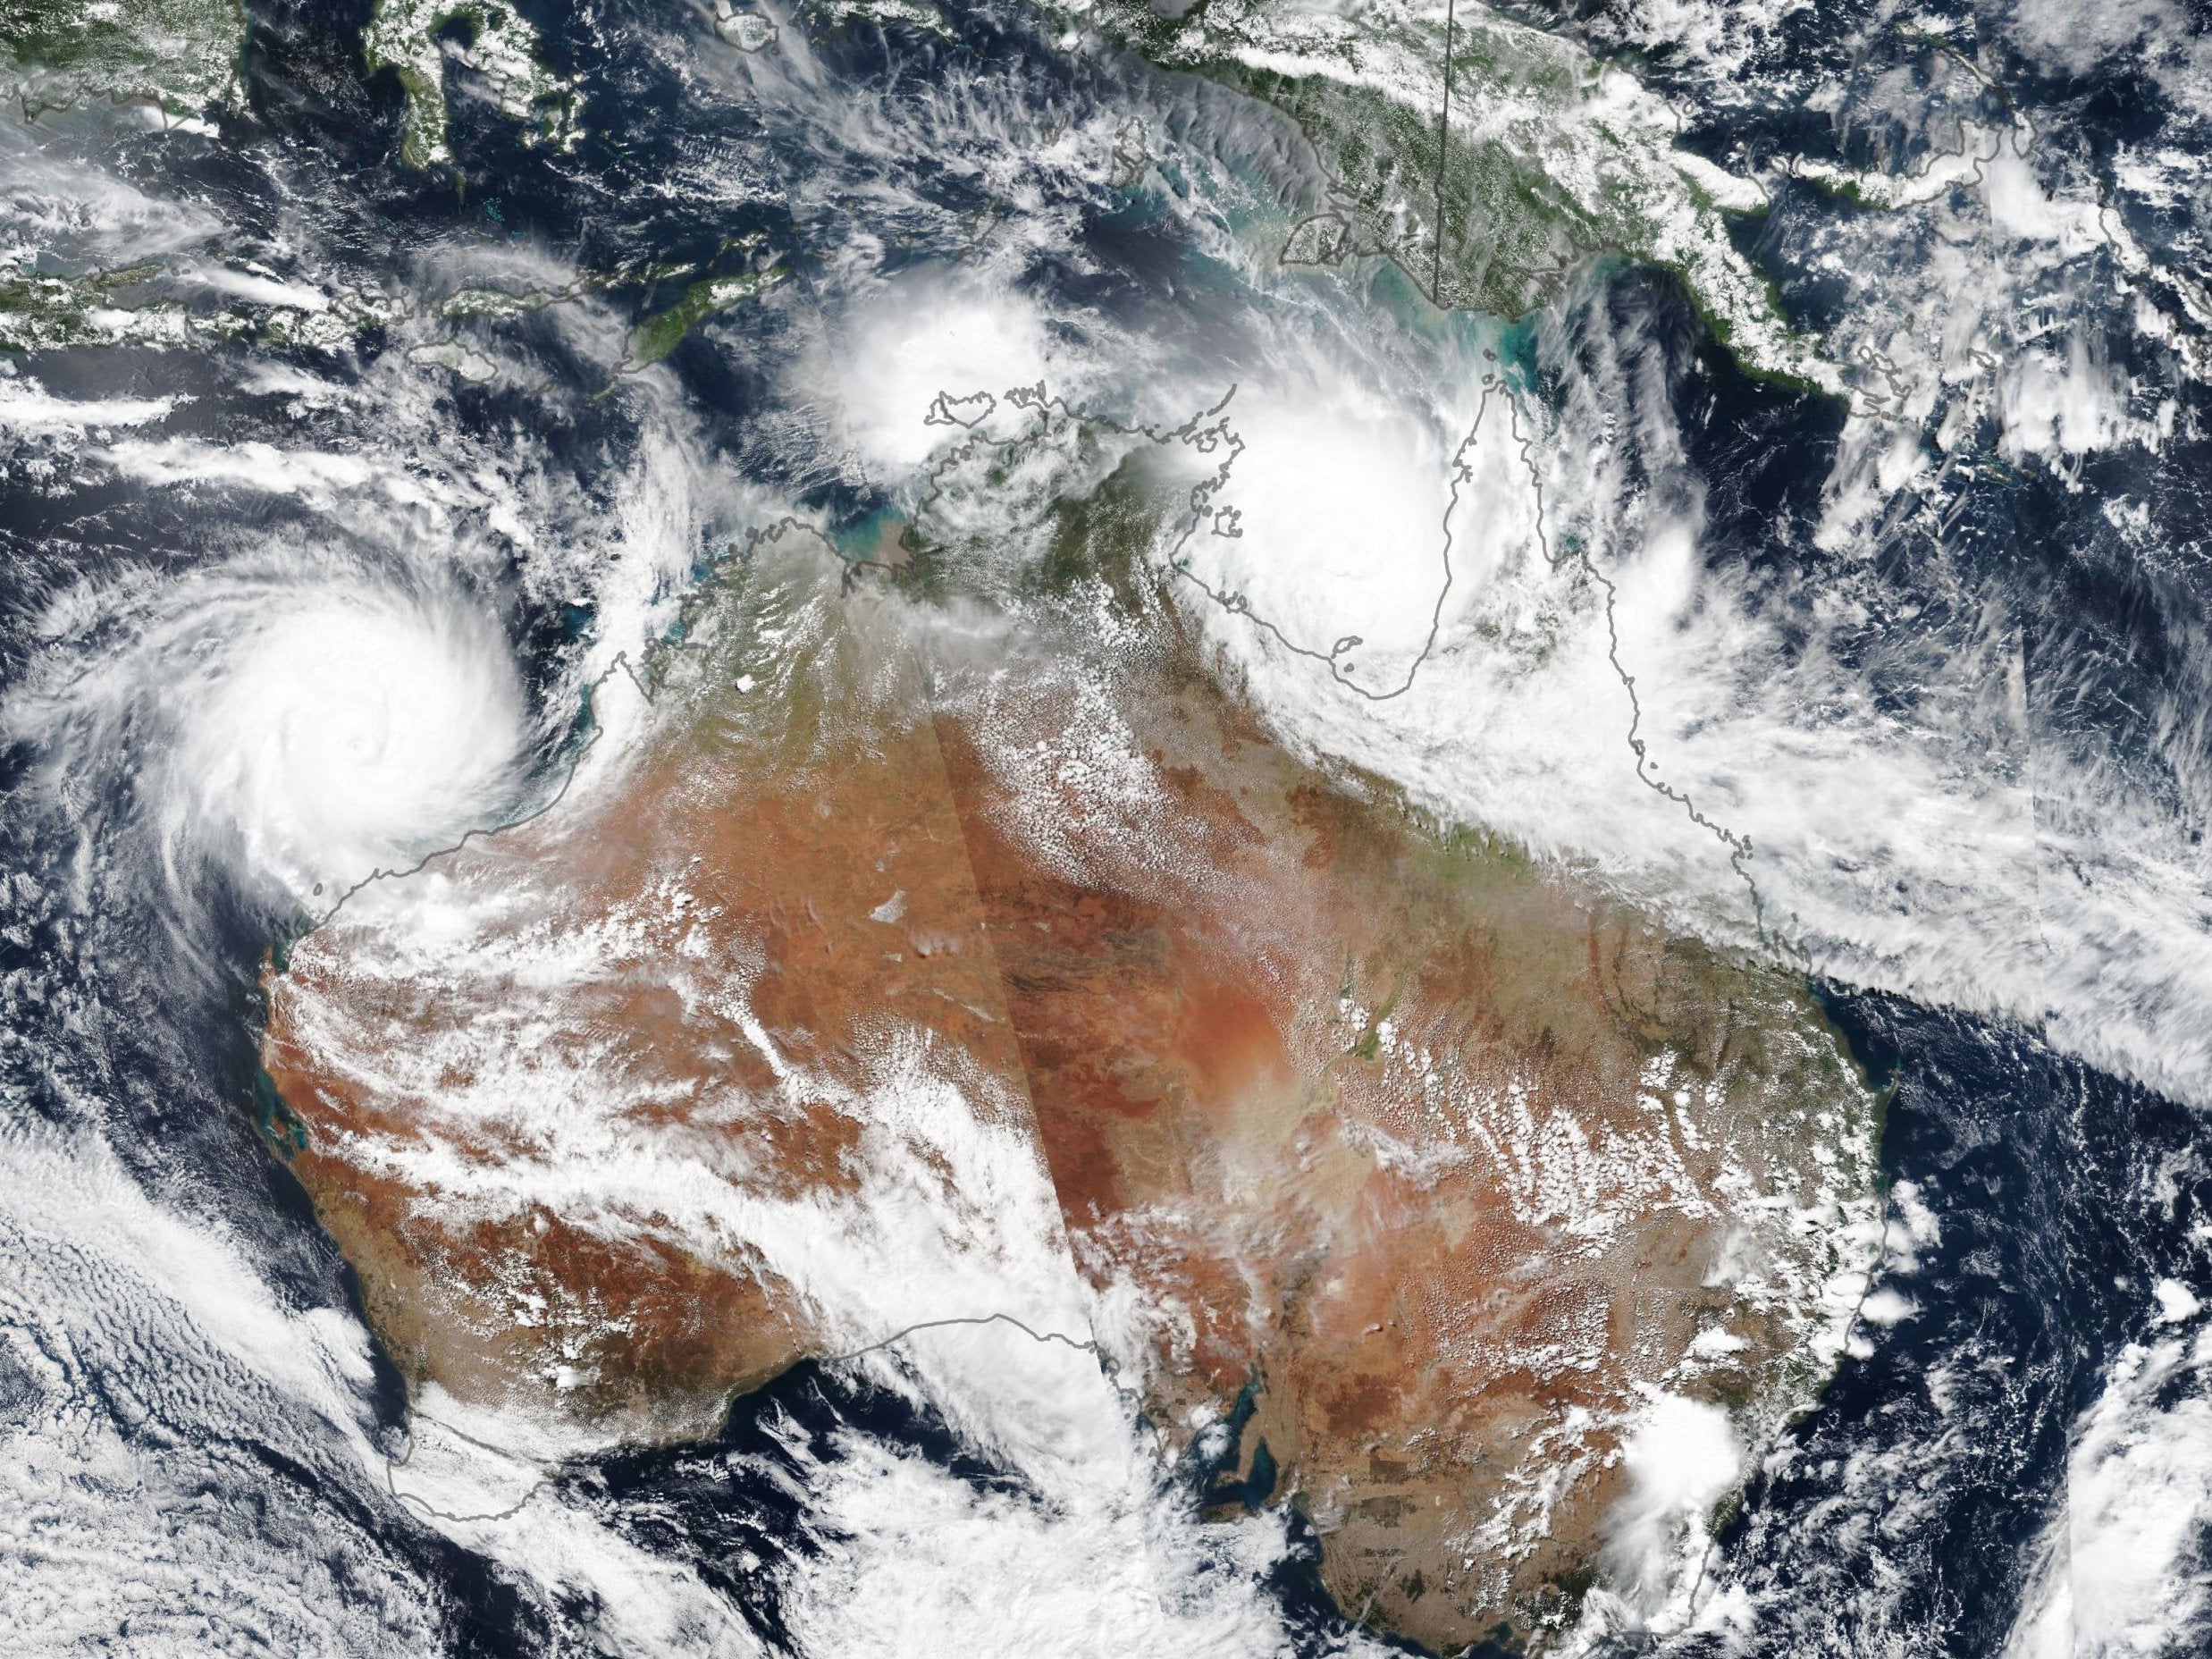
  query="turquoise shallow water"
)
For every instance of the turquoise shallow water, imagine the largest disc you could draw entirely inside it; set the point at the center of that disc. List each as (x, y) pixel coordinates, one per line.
(1906, 1514)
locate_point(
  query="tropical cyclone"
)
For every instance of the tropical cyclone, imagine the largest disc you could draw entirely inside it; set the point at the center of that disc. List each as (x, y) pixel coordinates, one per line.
(964, 945)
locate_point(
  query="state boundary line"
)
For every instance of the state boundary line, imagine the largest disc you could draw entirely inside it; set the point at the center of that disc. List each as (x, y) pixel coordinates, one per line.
(1443, 154)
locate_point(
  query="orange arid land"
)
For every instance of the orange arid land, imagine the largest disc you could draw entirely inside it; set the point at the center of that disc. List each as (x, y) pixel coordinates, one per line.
(1447, 1164)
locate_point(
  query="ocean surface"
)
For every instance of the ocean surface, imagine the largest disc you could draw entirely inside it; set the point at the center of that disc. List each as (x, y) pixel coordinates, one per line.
(1954, 695)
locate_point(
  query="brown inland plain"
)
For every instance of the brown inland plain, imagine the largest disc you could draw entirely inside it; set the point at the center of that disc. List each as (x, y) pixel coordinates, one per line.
(1442, 1161)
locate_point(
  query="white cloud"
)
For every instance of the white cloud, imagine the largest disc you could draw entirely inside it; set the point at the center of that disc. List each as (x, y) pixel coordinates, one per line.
(25, 406)
(2177, 1303)
(921, 335)
(2125, 1570)
(1680, 1457)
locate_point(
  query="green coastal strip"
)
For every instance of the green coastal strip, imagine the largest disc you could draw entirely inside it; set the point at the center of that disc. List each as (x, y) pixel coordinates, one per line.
(1547, 160)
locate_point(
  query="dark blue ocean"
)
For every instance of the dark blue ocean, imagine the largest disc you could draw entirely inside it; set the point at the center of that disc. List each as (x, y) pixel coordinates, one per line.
(2059, 1194)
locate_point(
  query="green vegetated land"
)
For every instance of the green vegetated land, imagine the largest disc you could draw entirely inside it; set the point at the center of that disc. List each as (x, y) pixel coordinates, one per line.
(658, 334)
(181, 56)
(1549, 157)
(403, 36)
